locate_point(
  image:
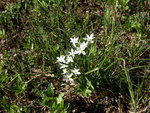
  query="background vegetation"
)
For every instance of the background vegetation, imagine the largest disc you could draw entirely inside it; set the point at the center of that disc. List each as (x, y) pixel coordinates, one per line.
(115, 72)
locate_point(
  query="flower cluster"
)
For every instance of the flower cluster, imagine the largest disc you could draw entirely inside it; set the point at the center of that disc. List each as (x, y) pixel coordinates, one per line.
(78, 49)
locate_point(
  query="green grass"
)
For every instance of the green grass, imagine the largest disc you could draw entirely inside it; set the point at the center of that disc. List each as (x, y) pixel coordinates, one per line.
(116, 65)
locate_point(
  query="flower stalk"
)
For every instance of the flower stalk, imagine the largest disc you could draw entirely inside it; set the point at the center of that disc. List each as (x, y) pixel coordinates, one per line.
(65, 60)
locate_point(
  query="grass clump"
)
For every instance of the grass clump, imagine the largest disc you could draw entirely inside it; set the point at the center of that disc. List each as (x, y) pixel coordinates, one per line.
(110, 72)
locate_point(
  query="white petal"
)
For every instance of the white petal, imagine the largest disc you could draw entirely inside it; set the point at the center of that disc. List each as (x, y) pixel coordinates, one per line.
(74, 41)
(76, 71)
(69, 59)
(63, 66)
(64, 71)
(61, 59)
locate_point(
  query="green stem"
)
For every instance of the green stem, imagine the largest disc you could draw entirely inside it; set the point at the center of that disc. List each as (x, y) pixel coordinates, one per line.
(96, 69)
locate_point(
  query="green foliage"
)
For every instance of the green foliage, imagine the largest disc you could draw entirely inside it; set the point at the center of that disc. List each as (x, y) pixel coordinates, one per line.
(86, 87)
(2, 33)
(34, 32)
(55, 104)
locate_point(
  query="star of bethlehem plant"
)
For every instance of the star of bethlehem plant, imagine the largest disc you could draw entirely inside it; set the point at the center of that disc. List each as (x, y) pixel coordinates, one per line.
(68, 59)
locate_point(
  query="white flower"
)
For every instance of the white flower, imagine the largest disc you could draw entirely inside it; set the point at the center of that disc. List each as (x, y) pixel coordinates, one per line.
(67, 78)
(69, 59)
(76, 71)
(89, 38)
(64, 71)
(61, 59)
(64, 60)
(83, 45)
(80, 51)
(68, 75)
(74, 41)
(72, 53)
(62, 66)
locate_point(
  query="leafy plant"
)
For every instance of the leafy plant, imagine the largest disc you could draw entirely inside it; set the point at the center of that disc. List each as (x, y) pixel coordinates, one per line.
(113, 69)
(55, 104)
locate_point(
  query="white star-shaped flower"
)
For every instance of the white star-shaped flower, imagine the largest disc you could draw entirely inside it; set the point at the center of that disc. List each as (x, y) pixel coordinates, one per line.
(76, 71)
(80, 51)
(74, 40)
(68, 75)
(89, 38)
(83, 45)
(69, 59)
(65, 71)
(61, 59)
(72, 53)
(67, 78)
(62, 66)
